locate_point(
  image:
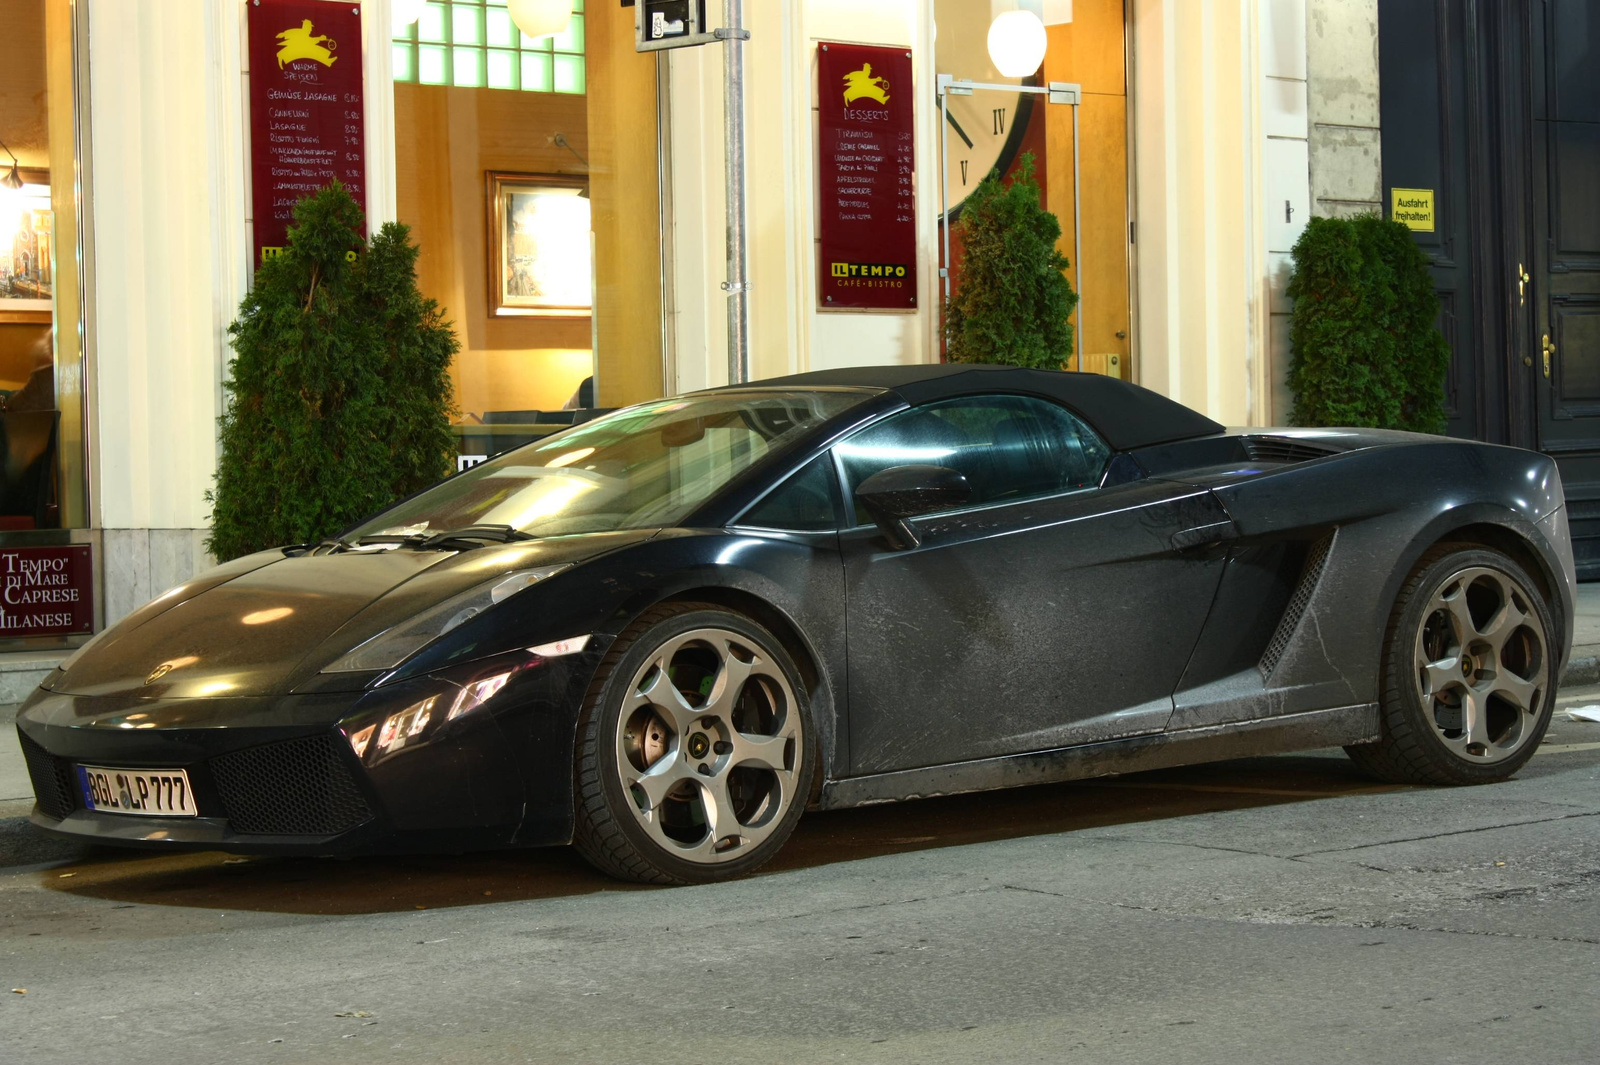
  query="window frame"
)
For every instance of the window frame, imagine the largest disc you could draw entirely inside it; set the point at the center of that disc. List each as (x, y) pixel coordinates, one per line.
(824, 459)
(412, 42)
(847, 500)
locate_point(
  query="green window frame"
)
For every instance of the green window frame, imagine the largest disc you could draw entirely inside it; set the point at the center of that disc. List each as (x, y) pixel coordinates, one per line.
(473, 44)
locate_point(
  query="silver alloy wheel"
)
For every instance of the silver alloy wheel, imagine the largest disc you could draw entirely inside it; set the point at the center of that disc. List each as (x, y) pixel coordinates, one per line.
(708, 743)
(1481, 665)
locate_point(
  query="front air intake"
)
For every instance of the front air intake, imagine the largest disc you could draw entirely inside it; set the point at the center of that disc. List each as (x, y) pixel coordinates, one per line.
(301, 787)
(52, 779)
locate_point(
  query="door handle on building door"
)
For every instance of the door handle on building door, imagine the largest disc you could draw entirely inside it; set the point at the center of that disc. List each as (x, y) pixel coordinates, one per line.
(1549, 350)
(1522, 286)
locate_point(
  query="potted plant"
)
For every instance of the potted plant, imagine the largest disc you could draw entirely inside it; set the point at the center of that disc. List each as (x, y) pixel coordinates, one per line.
(339, 394)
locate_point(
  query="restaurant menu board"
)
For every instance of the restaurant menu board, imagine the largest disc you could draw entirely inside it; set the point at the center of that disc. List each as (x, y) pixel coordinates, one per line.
(306, 124)
(46, 591)
(867, 247)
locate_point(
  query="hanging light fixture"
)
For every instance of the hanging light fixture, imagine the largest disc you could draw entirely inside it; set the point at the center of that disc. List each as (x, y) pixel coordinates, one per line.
(1017, 39)
(405, 12)
(12, 180)
(540, 18)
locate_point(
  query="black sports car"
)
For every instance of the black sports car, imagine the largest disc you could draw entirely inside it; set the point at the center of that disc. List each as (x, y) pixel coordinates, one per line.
(663, 634)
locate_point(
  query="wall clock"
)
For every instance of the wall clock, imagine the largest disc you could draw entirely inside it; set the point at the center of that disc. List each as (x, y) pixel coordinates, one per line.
(983, 131)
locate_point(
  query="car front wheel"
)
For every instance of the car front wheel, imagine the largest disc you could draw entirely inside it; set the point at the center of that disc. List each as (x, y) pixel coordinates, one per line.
(695, 749)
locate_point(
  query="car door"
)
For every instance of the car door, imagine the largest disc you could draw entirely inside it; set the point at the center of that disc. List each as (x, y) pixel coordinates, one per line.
(1047, 611)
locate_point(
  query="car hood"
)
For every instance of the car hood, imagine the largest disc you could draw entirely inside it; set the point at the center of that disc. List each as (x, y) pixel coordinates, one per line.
(267, 623)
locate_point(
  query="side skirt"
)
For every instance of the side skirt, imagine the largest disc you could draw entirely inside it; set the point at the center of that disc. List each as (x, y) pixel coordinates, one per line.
(1244, 739)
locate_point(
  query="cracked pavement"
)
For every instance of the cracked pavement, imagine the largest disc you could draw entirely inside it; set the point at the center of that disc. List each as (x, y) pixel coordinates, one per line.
(1266, 910)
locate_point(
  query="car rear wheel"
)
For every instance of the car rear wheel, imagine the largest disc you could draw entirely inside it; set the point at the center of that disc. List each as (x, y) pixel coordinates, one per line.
(695, 749)
(1468, 672)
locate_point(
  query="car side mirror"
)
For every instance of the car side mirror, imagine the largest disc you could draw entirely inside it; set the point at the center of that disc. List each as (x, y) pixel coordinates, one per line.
(891, 496)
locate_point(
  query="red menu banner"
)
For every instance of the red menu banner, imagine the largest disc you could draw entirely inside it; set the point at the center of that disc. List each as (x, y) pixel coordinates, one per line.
(306, 125)
(46, 591)
(867, 252)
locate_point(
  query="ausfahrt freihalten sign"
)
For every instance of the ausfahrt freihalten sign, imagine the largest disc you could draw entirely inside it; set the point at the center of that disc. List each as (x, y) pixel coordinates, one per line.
(306, 113)
(46, 591)
(867, 225)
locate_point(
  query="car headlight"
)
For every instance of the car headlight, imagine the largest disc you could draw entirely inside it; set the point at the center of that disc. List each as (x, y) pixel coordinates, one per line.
(401, 728)
(388, 649)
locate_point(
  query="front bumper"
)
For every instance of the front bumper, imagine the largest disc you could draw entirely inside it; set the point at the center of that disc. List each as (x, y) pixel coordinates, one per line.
(280, 775)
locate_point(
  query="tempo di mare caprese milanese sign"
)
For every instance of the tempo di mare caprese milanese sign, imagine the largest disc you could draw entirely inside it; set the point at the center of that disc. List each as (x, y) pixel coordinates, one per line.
(306, 108)
(46, 591)
(867, 224)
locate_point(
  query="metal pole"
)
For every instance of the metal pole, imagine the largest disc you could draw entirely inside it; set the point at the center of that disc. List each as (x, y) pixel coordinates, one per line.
(944, 190)
(1077, 236)
(738, 284)
(667, 230)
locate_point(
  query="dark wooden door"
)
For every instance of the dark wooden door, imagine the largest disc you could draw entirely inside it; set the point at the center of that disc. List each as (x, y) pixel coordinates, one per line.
(1564, 40)
(1434, 76)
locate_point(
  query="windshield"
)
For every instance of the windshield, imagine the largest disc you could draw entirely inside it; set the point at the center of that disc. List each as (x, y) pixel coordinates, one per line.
(642, 466)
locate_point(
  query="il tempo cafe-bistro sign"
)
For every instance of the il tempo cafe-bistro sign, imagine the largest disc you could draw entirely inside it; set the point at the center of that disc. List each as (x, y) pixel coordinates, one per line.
(46, 591)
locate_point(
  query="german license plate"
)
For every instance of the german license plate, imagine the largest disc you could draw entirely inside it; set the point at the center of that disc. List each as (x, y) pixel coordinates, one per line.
(147, 792)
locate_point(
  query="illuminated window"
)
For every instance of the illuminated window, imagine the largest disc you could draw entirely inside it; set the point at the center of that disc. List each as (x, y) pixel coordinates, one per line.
(474, 44)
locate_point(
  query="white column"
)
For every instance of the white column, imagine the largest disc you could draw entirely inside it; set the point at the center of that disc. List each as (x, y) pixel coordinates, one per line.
(1286, 175)
(1198, 197)
(377, 19)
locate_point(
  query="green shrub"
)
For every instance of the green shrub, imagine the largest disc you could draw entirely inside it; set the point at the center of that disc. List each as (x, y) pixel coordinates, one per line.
(1014, 304)
(1366, 347)
(339, 397)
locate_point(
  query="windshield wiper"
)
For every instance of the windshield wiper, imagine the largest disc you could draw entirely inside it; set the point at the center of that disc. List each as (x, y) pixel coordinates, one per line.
(473, 536)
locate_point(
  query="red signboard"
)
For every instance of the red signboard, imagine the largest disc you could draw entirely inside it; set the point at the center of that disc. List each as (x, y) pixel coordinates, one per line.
(867, 254)
(306, 125)
(46, 591)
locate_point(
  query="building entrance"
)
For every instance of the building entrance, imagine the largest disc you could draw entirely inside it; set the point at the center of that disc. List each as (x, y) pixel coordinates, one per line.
(1491, 114)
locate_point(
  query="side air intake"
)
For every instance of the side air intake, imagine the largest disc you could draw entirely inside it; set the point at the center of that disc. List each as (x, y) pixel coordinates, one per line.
(1286, 449)
(1310, 574)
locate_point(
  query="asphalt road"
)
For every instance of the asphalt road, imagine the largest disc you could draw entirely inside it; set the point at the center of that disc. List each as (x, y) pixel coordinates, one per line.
(1272, 910)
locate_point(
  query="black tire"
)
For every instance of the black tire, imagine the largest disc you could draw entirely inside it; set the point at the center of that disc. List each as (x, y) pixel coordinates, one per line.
(1424, 740)
(610, 829)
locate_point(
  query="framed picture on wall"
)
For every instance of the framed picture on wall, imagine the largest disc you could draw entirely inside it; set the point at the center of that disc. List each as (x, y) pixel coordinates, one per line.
(540, 255)
(27, 257)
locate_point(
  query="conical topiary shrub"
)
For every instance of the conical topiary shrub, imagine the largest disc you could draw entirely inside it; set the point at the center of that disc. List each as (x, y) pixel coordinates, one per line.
(1013, 304)
(1366, 347)
(339, 397)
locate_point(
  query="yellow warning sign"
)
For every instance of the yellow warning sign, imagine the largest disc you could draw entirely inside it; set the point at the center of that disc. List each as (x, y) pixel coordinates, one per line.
(1414, 207)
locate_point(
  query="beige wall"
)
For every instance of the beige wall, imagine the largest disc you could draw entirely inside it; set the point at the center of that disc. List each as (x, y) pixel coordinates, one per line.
(1201, 270)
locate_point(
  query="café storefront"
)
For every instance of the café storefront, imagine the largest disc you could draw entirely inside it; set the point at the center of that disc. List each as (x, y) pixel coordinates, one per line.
(566, 191)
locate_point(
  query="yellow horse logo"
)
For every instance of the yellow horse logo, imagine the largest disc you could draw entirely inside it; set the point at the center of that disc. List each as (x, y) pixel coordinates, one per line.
(299, 44)
(860, 84)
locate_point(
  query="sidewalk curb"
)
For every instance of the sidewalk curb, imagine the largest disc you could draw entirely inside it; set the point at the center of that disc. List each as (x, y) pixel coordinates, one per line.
(1581, 669)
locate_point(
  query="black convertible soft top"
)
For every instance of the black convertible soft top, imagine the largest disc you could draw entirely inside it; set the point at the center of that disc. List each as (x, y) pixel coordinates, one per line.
(1125, 415)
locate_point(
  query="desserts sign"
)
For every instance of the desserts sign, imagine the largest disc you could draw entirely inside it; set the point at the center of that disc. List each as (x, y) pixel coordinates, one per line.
(867, 247)
(306, 125)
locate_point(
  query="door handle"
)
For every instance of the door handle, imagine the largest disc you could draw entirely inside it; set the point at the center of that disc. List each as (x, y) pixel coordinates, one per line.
(1549, 350)
(1522, 286)
(1204, 535)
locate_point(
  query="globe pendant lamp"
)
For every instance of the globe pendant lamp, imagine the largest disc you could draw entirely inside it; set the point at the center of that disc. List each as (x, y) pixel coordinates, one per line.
(540, 18)
(404, 13)
(1017, 38)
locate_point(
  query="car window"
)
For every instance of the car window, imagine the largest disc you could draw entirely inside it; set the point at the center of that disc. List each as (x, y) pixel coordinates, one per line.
(1008, 447)
(803, 503)
(641, 466)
